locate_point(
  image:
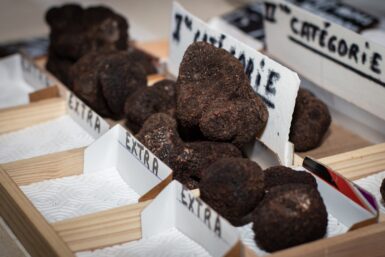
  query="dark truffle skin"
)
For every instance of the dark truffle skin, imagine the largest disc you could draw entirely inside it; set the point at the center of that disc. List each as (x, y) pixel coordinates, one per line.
(233, 187)
(60, 68)
(120, 77)
(104, 80)
(214, 95)
(187, 160)
(280, 175)
(311, 120)
(159, 97)
(382, 189)
(76, 31)
(144, 59)
(289, 215)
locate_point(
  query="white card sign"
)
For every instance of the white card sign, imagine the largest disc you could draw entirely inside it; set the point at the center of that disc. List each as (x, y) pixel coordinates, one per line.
(176, 207)
(333, 57)
(33, 75)
(89, 120)
(137, 166)
(274, 83)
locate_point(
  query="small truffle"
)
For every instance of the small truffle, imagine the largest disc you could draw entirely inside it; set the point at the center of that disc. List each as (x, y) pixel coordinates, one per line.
(60, 68)
(289, 215)
(233, 187)
(215, 96)
(382, 189)
(159, 97)
(187, 160)
(311, 120)
(104, 80)
(280, 175)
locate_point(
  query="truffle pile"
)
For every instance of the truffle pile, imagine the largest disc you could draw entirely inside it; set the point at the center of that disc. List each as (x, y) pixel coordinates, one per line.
(187, 160)
(89, 53)
(311, 120)
(75, 31)
(217, 113)
(105, 80)
(284, 205)
(382, 189)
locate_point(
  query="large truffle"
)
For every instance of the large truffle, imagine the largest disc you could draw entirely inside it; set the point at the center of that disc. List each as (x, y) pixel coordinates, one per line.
(215, 96)
(233, 187)
(160, 97)
(289, 215)
(280, 175)
(187, 160)
(311, 120)
(104, 80)
(382, 189)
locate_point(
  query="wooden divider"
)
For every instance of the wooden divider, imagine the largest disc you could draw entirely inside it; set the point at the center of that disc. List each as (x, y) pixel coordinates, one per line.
(37, 236)
(19, 117)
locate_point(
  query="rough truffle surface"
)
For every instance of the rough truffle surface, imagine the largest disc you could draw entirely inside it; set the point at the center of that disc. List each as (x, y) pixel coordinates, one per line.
(280, 175)
(289, 215)
(311, 120)
(215, 96)
(159, 97)
(104, 80)
(187, 160)
(233, 187)
(382, 189)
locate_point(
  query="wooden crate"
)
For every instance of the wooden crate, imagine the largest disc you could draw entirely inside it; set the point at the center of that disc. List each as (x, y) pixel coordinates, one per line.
(122, 224)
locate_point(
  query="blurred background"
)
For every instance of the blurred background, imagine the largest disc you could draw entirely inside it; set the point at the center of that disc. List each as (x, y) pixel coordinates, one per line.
(149, 19)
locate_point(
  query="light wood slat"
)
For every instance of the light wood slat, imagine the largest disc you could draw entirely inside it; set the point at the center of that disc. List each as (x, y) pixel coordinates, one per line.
(56, 165)
(367, 241)
(15, 118)
(102, 229)
(37, 236)
(358, 163)
(43, 94)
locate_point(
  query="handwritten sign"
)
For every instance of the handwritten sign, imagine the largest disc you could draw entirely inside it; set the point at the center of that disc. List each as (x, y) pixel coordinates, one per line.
(275, 84)
(335, 58)
(191, 216)
(85, 116)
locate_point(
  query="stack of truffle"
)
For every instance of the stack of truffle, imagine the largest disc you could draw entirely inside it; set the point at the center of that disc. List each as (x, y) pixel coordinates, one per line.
(216, 113)
(89, 53)
(284, 205)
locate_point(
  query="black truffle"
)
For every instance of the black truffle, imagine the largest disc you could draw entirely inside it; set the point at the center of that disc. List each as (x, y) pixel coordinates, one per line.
(311, 120)
(104, 80)
(187, 160)
(150, 100)
(289, 215)
(233, 187)
(280, 175)
(382, 189)
(215, 96)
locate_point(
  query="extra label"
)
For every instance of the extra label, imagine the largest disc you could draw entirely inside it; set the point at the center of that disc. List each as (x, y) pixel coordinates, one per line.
(335, 58)
(275, 84)
(89, 120)
(33, 75)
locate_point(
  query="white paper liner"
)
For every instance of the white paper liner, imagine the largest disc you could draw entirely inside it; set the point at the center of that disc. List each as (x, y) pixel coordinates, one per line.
(74, 196)
(56, 135)
(171, 243)
(372, 184)
(14, 90)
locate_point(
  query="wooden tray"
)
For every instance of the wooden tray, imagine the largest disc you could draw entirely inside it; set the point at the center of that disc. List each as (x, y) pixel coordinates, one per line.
(122, 224)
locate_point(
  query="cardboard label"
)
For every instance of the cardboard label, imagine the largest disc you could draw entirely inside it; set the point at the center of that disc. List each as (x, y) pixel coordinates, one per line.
(191, 216)
(333, 57)
(33, 75)
(137, 166)
(275, 84)
(89, 120)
